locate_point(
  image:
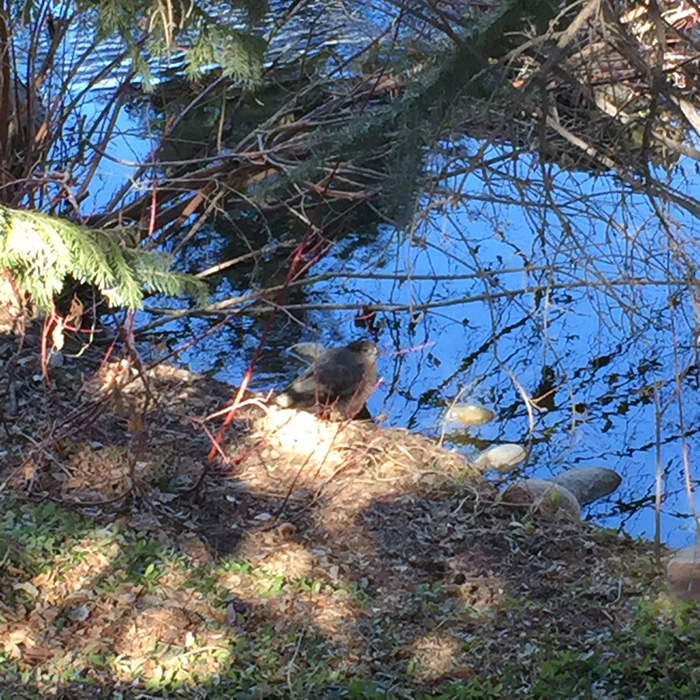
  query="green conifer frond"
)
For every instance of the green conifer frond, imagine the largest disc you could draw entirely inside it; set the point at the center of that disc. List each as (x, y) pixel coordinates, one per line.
(42, 251)
(152, 270)
(225, 38)
(240, 54)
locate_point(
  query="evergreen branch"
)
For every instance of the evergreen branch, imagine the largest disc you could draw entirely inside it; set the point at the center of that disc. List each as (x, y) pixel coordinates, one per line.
(42, 251)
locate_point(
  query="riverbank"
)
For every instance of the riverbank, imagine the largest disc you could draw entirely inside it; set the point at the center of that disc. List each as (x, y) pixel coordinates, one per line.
(311, 559)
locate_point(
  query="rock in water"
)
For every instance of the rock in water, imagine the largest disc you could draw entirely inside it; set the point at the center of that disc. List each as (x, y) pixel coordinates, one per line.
(589, 484)
(309, 352)
(470, 414)
(341, 377)
(501, 457)
(551, 501)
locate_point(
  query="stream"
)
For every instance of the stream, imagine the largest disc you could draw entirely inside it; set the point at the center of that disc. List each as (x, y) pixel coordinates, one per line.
(486, 298)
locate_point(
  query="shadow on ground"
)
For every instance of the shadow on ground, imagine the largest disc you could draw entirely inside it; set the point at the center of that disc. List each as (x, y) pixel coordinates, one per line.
(314, 558)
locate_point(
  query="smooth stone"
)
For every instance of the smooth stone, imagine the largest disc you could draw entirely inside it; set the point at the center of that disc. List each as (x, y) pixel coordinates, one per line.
(501, 457)
(683, 574)
(589, 484)
(470, 414)
(550, 500)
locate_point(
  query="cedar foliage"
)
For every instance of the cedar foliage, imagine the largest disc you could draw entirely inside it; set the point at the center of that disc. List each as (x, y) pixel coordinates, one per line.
(42, 251)
(222, 38)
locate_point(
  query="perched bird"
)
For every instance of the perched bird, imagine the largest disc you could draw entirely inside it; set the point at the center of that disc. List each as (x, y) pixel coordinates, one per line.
(341, 378)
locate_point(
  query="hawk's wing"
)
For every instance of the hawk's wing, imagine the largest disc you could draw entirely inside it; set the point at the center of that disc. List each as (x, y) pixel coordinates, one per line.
(337, 374)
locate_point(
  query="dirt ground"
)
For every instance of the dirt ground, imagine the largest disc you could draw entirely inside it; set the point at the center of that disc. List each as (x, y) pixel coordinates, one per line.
(369, 552)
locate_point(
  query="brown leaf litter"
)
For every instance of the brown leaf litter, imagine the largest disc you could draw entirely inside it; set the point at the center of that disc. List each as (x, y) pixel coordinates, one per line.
(388, 552)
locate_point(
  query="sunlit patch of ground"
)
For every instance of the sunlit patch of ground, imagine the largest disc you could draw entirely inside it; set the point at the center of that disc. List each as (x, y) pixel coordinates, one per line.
(316, 558)
(434, 656)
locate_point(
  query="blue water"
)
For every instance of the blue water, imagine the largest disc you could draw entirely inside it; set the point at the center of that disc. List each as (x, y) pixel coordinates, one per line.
(608, 335)
(488, 330)
(512, 282)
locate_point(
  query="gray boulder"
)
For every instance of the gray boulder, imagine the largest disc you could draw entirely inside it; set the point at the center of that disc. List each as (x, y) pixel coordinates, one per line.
(683, 574)
(588, 484)
(549, 500)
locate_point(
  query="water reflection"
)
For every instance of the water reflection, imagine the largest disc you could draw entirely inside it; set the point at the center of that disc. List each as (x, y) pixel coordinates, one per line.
(549, 296)
(570, 352)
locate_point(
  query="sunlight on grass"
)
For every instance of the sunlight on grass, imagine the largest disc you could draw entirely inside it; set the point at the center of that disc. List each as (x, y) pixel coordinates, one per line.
(108, 605)
(434, 656)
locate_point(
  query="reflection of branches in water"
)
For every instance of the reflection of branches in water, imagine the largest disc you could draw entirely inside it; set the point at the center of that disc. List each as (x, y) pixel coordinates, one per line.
(569, 267)
(592, 248)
